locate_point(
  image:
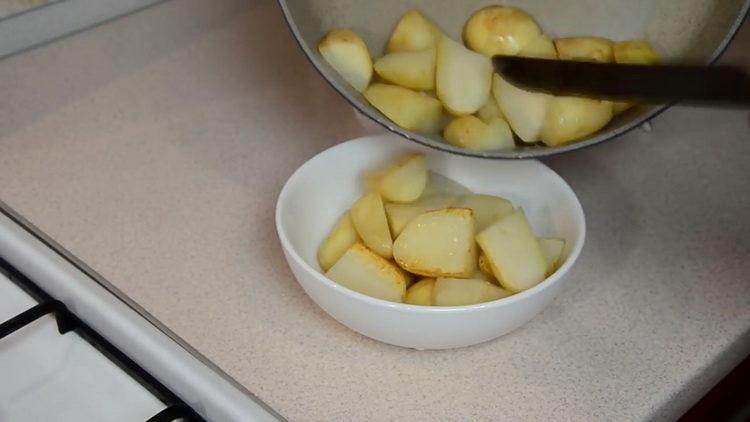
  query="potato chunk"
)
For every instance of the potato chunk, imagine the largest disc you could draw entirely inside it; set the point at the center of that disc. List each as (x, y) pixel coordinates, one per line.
(472, 133)
(525, 111)
(409, 109)
(365, 272)
(465, 291)
(420, 293)
(368, 217)
(413, 32)
(490, 110)
(463, 78)
(595, 49)
(438, 244)
(633, 52)
(437, 184)
(348, 55)
(486, 208)
(572, 118)
(553, 251)
(342, 237)
(500, 30)
(399, 215)
(410, 69)
(540, 47)
(514, 252)
(405, 180)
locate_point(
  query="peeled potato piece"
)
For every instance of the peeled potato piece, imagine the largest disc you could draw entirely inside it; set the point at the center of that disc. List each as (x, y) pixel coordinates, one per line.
(348, 55)
(368, 217)
(410, 69)
(595, 49)
(413, 32)
(553, 250)
(399, 215)
(438, 244)
(420, 293)
(437, 184)
(472, 133)
(632, 52)
(525, 111)
(365, 272)
(484, 264)
(463, 78)
(499, 30)
(572, 118)
(405, 180)
(516, 258)
(342, 237)
(465, 291)
(486, 208)
(490, 110)
(409, 109)
(540, 47)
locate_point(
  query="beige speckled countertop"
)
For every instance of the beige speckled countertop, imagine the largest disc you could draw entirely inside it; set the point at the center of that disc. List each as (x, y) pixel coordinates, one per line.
(154, 147)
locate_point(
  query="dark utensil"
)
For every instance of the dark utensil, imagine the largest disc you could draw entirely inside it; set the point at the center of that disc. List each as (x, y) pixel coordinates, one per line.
(715, 85)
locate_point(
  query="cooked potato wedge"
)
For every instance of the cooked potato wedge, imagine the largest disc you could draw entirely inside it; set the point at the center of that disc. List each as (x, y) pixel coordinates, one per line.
(409, 109)
(465, 291)
(572, 118)
(540, 47)
(437, 184)
(413, 32)
(420, 293)
(525, 111)
(514, 252)
(399, 215)
(404, 180)
(595, 49)
(410, 69)
(472, 133)
(486, 208)
(553, 251)
(438, 244)
(342, 237)
(490, 110)
(463, 78)
(368, 217)
(499, 30)
(368, 273)
(348, 55)
(632, 52)
(483, 263)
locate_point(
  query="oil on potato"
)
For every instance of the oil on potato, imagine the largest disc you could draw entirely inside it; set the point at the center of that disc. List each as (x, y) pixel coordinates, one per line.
(368, 273)
(348, 55)
(572, 118)
(409, 109)
(413, 32)
(438, 244)
(499, 30)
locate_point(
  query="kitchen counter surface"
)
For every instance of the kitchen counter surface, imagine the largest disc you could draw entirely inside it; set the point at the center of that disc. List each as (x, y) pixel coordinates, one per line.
(154, 147)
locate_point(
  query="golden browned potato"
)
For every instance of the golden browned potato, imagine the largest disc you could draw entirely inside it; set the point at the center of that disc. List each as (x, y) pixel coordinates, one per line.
(438, 244)
(368, 217)
(348, 55)
(420, 293)
(409, 109)
(463, 78)
(499, 30)
(633, 52)
(595, 49)
(525, 111)
(516, 258)
(368, 273)
(472, 133)
(540, 47)
(404, 180)
(410, 69)
(572, 118)
(486, 208)
(399, 215)
(413, 32)
(465, 291)
(342, 237)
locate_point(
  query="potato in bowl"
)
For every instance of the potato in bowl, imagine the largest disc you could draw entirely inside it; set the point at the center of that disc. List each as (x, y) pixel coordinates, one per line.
(316, 195)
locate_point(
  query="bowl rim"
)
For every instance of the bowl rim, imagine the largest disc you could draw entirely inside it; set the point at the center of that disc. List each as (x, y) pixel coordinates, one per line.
(292, 253)
(518, 153)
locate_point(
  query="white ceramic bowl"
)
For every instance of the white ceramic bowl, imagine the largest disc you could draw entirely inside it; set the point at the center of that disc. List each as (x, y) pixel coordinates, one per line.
(326, 185)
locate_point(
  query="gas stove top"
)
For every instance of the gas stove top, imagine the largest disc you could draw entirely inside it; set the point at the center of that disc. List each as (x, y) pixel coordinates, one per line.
(74, 348)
